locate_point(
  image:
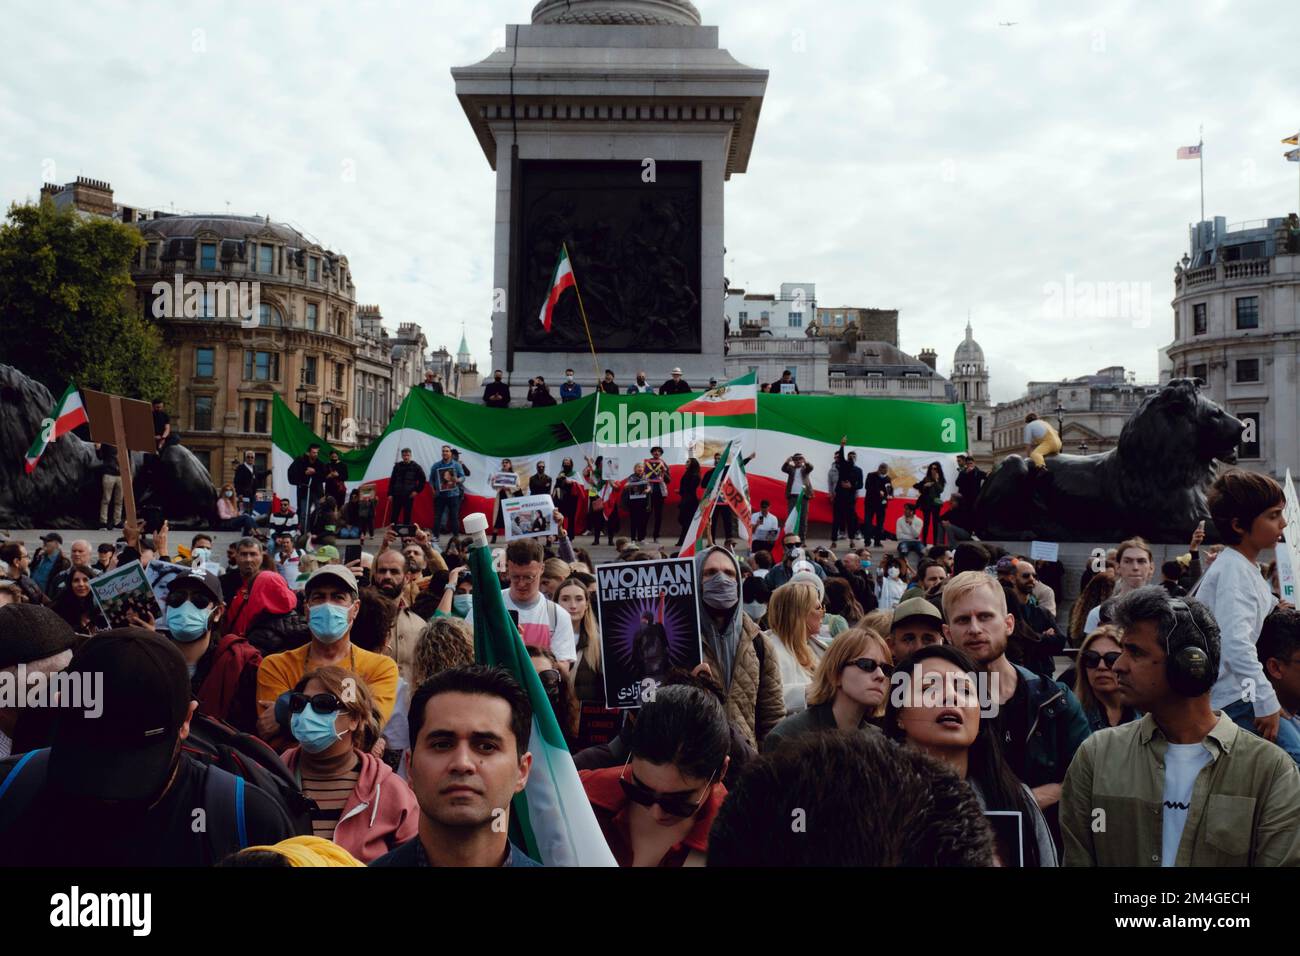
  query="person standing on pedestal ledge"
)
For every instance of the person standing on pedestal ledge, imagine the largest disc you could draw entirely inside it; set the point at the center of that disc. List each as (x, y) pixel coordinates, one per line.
(432, 383)
(570, 391)
(538, 393)
(675, 385)
(496, 393)
(1040, 439)
(608, 385)
(641, 387)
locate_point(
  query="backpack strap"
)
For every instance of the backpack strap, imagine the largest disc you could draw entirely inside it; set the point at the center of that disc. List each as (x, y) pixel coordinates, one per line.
(18, 788)
(223, 800)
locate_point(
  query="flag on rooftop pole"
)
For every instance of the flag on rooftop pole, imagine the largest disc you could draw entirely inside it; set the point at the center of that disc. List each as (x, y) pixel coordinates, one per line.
(67, 414)
(1189, 152)
(551, 817)
(561, 279)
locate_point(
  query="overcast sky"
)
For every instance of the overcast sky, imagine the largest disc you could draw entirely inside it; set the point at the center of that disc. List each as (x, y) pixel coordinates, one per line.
(913, 156)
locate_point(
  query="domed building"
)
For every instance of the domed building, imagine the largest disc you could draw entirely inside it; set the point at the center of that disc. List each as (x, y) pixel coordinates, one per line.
(970, 379)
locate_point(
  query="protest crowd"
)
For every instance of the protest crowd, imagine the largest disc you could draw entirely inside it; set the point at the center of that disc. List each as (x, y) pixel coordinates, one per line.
(904, 695)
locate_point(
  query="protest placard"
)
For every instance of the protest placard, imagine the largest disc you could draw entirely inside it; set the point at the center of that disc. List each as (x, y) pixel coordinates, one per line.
(649, 623)
(1043, 550)
(532, 516)
(123, 590)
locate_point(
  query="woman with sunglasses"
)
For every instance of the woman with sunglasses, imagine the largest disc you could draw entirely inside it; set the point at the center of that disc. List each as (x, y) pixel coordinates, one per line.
(656, 809)
(848, 688)
(1095, 684)
(360, 803)
(558, 691)
(934, 707)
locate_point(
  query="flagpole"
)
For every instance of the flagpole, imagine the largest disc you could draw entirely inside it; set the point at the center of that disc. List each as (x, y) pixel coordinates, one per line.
(583, 312)
(1200, 155)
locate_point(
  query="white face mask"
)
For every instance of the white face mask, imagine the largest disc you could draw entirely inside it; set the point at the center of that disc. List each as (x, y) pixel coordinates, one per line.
(893, 572)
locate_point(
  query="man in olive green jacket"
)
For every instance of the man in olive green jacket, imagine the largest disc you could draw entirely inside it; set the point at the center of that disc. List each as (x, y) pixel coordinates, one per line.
(1183, 786)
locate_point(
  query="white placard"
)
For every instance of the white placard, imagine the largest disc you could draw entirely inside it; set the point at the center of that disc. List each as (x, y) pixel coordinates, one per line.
(532, 516)
(1043, 550)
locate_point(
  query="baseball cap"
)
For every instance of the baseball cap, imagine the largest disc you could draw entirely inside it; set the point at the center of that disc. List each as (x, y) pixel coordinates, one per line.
(1006, 564)
(30, 632)
(52, 536)
(123, 749)
(336, 571)
(204, 579)
(915, 607)
(327, 553)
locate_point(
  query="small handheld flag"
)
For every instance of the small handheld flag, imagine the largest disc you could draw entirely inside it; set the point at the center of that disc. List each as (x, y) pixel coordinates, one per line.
(68, 413)
(561, 279)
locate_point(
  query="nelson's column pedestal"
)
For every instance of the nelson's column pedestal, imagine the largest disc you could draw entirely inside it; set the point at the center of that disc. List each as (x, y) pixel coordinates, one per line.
(612, 126)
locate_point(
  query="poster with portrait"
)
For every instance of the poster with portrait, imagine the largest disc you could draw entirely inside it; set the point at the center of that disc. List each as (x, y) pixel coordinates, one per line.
(532, 516)
(124, 590)
(649, 624)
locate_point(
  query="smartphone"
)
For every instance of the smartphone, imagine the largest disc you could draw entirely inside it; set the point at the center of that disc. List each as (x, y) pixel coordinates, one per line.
(351, 552)
(404, 530)
(514, 616)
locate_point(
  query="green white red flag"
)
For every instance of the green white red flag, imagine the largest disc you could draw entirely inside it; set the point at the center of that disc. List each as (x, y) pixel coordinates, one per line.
(561, 279)
(68, 413)
(737, 397)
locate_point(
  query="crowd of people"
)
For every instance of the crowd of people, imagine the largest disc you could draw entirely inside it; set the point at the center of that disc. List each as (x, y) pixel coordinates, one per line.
(342, 700)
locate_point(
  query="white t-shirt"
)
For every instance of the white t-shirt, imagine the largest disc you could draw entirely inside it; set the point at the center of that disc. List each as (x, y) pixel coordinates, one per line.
(905, 531)
(1036, 431)
(1182, 764)
(288, 568)
(542, 626)
(766, 527)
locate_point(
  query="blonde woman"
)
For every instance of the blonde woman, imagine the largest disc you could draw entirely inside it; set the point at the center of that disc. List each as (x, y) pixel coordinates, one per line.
(360, 803)
(848, 688)
(794, 617)
(1095, 684)
(229, 516)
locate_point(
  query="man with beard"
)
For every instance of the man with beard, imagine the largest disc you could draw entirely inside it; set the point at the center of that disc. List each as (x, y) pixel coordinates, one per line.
(1051, 640)
(392, 574)
(115, 784)
(1038, 721)
(496, 393)
(650, 649)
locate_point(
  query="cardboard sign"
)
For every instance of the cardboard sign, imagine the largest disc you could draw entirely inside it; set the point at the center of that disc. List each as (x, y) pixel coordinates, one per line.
(504, 479)
(649, 623)
(1287, 552)
(787, 388)
(532, 516)
(1043, 550)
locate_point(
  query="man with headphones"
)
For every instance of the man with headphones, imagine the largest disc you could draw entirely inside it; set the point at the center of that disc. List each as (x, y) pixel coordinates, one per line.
(1183, 786)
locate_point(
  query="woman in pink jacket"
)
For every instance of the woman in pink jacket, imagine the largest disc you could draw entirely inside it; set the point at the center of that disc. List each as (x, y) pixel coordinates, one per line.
(360, 803)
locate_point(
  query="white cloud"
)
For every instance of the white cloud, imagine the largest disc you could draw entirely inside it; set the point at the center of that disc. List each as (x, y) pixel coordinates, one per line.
(910, 156)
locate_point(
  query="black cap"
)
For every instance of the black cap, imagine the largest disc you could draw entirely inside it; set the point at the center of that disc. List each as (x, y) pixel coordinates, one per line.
(200, 578)
(52, 536)
(121, 748)
(29, 632)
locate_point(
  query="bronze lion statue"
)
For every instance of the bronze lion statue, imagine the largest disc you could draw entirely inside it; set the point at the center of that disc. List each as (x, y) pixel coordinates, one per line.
(1153, 483)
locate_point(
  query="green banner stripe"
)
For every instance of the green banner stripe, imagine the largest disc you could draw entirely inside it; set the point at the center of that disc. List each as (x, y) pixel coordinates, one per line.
(869, 422)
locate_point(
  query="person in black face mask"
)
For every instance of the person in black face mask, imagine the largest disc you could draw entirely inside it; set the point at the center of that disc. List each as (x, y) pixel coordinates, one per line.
(737, 654)
(496, 393)
(114, 788)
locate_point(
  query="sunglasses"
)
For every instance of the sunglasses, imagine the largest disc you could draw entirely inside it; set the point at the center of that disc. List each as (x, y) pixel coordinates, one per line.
(321, 703)
(871, 666)
(1091, 659)
(550, 679)
(198, 599)
(674, 805)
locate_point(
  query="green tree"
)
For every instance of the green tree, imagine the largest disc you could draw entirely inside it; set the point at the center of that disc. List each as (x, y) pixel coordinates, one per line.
(67, 304)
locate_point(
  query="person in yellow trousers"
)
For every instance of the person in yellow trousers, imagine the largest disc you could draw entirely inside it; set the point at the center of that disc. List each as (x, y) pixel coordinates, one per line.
(1041, 439)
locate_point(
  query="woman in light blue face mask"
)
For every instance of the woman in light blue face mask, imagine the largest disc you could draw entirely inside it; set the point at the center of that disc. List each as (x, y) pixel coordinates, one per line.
(361, 804)
(458, 595)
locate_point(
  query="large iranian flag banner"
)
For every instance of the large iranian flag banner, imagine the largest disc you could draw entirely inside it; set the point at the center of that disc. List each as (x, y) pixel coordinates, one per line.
(905, 436)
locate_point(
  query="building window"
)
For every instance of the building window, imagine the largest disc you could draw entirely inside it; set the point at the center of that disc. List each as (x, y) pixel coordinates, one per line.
(338, 376)
(1198, 319)
(256, 415)
(151, 255)
(313, 268)
(312, 319)
(1248, 370)
(260, 468)
(203, 413)
(208, 256)
(1202, 372)
(1249, 449)
(796, 320)
(205, 363)
(1248, 312)
(839, 318)
(360, 402)
(309, 416)
(261, 366)
(744, 316)
(979, 427)
(309, 370)
(265, 258)
(764, 315)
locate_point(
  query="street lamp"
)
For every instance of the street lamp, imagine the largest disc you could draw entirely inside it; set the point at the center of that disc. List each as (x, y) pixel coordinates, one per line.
(302, 394)
(1060, 412)
(326, 409)
(1083, 448)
